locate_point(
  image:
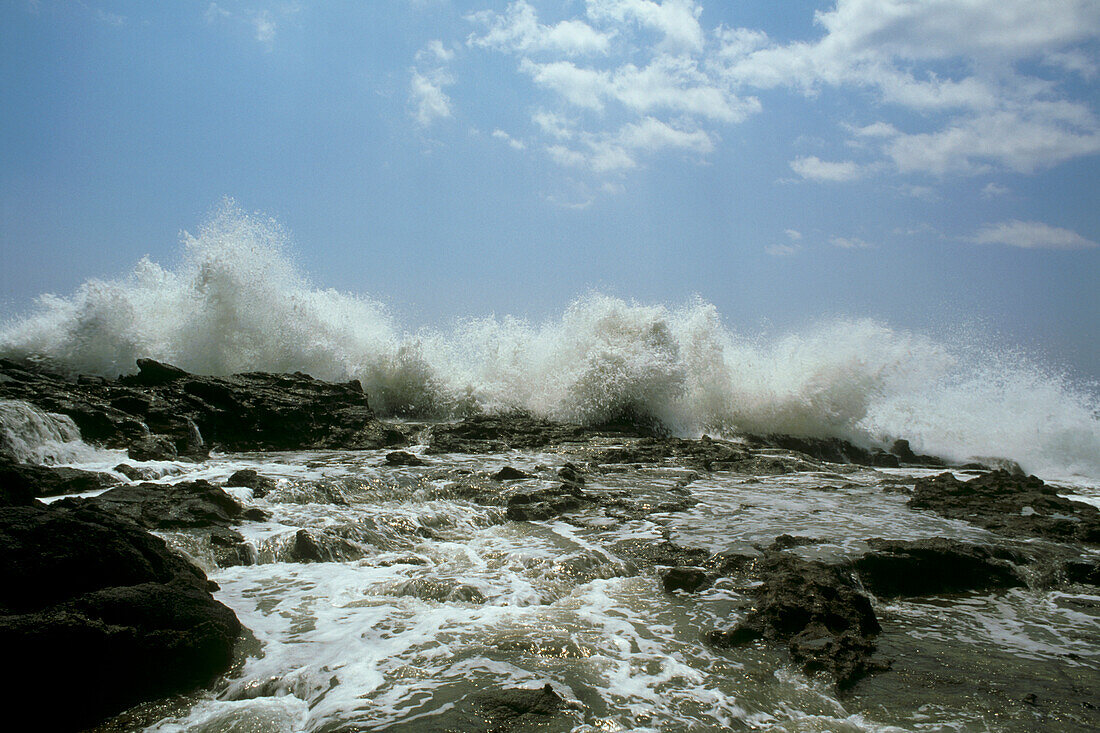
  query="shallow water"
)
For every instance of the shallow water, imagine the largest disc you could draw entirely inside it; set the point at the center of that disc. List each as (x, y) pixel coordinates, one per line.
(450, 599)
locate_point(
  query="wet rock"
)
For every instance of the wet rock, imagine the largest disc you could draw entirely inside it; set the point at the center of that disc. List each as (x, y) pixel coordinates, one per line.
(153, 448)
(687, 579)
(253, 411)
(120, 615)
(402, 458)
(511, 474)
(188, 504)
(136, 474)
(53, 480)
(497, 433)
(818, 610)
(319, 546)
(1021, 506)
(905, 454)
(530, 504)
(491, 711)
(937, 566)
(786, 542)
(249, 478)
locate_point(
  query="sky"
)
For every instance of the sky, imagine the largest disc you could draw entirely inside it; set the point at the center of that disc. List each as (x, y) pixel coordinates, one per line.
(934, 165)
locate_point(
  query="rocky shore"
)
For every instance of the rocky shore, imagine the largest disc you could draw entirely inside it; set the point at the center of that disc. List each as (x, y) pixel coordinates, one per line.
(88, 592)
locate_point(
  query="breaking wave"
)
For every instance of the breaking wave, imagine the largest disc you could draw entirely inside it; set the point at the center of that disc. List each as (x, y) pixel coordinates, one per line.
(237, 302)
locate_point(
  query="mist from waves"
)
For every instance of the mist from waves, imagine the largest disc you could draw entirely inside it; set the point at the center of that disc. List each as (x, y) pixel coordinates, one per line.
(237, 302)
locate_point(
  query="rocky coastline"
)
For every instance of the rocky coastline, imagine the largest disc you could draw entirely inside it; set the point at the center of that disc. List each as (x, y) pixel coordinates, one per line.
(88, 589)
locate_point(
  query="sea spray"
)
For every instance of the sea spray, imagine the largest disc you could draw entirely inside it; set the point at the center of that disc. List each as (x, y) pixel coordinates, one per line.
(31, 435)
(237, 302)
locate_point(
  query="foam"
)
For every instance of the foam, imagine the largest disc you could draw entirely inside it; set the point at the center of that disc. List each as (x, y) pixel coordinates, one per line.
(237, 302)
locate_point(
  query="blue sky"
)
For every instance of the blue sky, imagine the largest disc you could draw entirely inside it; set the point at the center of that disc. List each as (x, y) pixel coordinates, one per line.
(935, 165)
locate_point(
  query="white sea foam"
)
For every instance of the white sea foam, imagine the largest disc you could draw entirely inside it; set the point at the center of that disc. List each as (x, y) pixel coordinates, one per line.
(31, 435)
(237, 302)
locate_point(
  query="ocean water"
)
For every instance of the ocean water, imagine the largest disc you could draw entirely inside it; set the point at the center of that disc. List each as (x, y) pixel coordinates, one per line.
(237, 302)
(443, 598)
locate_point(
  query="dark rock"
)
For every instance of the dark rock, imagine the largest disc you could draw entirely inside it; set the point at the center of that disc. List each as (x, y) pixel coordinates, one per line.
(1020, 506)
(511, 474)
(937, 566)
(188, 504)
(154, 373)
(529, 504)
(828, 624)
(497, 433)
(571, 475)
(53, 481)
(319, 546)
(253, 411)
(250, 479)
(786, 542)
(402, 458)
(492, 711)
(684, 578)
(1086, 571)
(98, 600)
(153, 448)
(136, 474)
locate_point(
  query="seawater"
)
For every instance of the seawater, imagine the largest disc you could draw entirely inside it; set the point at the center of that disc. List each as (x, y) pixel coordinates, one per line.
(451, 599)
(237, 302)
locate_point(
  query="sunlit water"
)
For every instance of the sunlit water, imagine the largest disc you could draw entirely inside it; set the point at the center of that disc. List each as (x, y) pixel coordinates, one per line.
(450, 599)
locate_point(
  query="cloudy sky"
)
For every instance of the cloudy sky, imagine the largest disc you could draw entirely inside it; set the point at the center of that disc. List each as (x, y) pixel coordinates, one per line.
(932, 164)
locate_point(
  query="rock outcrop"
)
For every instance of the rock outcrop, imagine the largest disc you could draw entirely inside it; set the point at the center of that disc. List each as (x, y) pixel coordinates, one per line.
(94, 600)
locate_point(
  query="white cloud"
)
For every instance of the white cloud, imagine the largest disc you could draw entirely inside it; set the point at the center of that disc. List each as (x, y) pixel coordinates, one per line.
(993, 190)
(554, 125)
(849, 243)
(518, 30)
(427, 97)
(793, 234)
(265, 27)
(435, 50)
(676, 20)
(1021, 142)
(782, 250)
(1031, 235)
(512, 142)
(813, 168)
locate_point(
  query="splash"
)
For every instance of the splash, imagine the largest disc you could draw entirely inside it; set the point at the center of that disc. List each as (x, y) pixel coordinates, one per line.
(30, 435)
(237, 302)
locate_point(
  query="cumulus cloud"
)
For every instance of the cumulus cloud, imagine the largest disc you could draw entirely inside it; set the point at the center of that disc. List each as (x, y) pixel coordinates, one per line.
(511, 141)
(1031, 235)
(849, 243)
(813, 168)
(965, 70)
(426, 95)
(518, 30)
(262, 24)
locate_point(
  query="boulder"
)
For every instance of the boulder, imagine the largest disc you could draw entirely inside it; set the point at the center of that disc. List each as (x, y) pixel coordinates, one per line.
(249, 478)
(186, 505)
(490, 711)
(817, 609)
(90, 596)
(403, 458)
(937, 566)
(53, 480)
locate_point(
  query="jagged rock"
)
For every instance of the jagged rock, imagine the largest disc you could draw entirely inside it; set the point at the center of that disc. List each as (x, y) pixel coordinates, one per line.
(492, 711)
(538, 503)
(53, 481)
(817, 609)
(497, 433)
(511, 474)
(188, 504)
(153, 448)
(249, 478)
(684, 578)
(786, 542)
(95, 598)
(253, 411)
(320, 546)
(936, 566)
(136, 474)
(402, 458)
(1013, 505)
